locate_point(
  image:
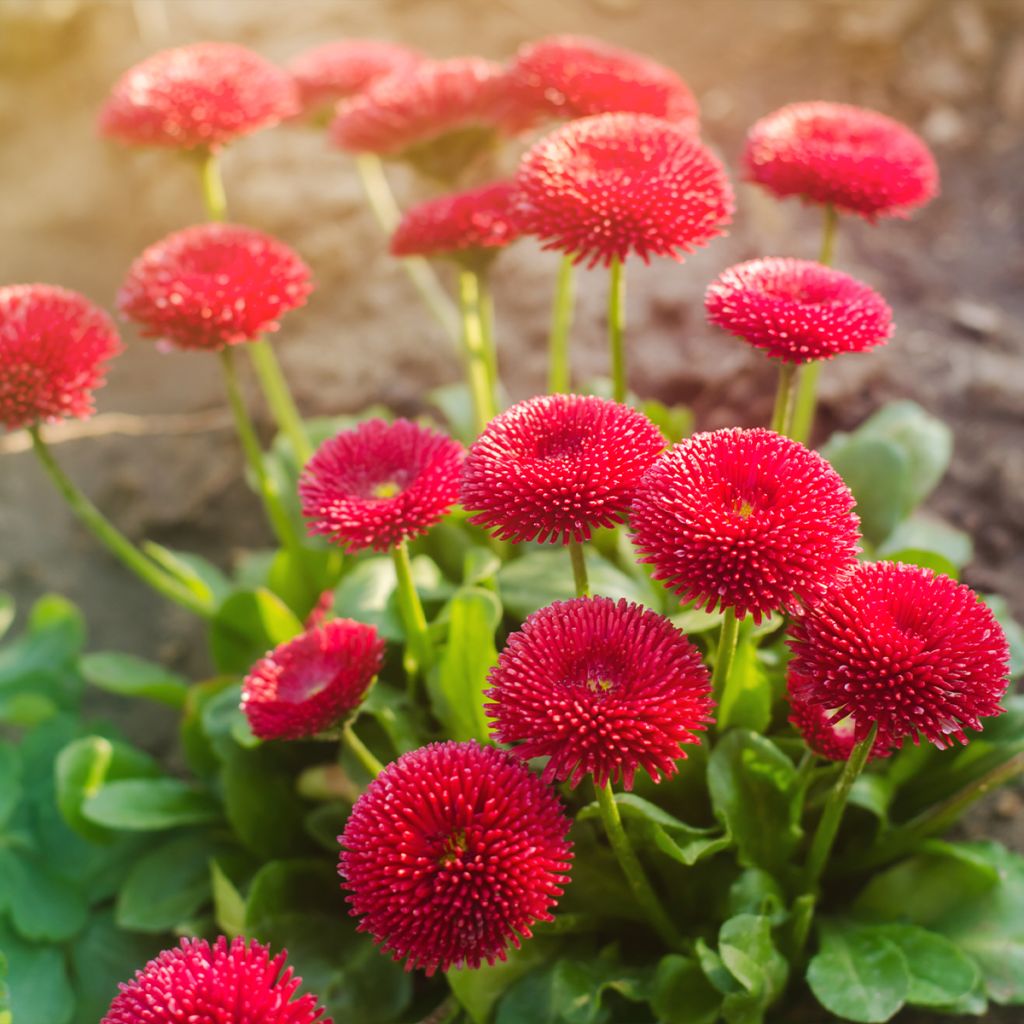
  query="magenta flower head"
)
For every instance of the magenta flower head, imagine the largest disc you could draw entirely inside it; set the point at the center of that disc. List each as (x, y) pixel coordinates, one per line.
(599, 689)
(612, 185)
(452, 854)
(226, 983)
(379, 484)
(557, 467)
(54, 347)
(903, 647)
(858, 160)
(829, 738)
(745, 519)
(206, 94)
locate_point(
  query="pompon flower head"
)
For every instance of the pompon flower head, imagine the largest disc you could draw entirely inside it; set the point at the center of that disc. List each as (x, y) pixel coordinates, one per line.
(599, 688)
(745, 519)
(828, 738)
(798, 310)
(452, 854)
(858, 160)
(223, 983)
(54, 346)
(213, 285)
(902, 646)
(379, 484)
(612, 185)
(556, 467)
(206, 94)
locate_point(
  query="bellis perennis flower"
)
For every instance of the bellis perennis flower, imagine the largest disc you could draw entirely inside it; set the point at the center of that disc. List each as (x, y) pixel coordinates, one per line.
(829, 738)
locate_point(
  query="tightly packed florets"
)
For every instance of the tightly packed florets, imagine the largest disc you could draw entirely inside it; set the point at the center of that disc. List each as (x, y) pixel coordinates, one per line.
(452, 854)
(556, 467)
(379, 484)
(236, 983)
(205, 94)
(828, 738)
(604, 187)
(745, 519)
(599, 689)
(213, 285)
(54, 346)
(858, 160)
(902, 646)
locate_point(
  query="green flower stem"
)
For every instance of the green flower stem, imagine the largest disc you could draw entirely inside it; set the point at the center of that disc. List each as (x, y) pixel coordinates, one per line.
(559, 375)
(616, 328)
(419, 653)
(112, 538)
(727, 638)
(212, 183)
(362, 752)
(579, 569)
(280, 400)
(485, 305)
(478, 375)
(782, 417)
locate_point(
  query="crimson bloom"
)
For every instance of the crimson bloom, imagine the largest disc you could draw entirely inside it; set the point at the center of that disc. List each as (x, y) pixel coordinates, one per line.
(54, 346)
(903, 647)
(213, 285)
(599, 689)
(556, 467)
(828, 738)
(858, 160)
(206, 94)
(236, 983)
(451, 855)
(745, 519)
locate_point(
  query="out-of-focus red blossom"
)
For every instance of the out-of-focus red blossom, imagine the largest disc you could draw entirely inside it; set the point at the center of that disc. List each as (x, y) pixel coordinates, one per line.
(798, 310)
(310, 683)
(858, 160)
(205, 94)
(54, 346)
(902, 646)
(607, 186)
(833, 740)
(556, 467)
(213, 285)
(236, 983)
(379, 484)
(745, 519)
(452, 854)
(599, 689)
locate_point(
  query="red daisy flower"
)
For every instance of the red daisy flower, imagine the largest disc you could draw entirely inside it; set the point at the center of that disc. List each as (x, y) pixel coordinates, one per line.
(219, 984)
(858, 160)
(54, 346)
(745, 519)
(213, 285)
(206, 94)
(599, 689)
(609, 185)
(828, 738)
(379, 484)
(556, 467)
(452, 854)
(902, 646)
(798, 310)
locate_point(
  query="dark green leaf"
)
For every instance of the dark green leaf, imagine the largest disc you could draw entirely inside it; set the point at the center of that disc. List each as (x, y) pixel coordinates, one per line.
(940, 974)
(756, 892)
(10, 781)
(747, 700)
(146, 805)
(681, 994)
(246, 626)
(203, 578)
(42, 906)
(874, 793)
(479, 990)
(748, 952)
(40, 992)
(5, 994)
(166, 887)
(129, 676)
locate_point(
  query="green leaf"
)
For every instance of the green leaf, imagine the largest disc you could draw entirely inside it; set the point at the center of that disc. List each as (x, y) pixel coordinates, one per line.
(1013, 630)
(43, 907)
(747, 700)
(695, 620)
(940, 974)
(149, 805)
(681, 994)
(874, 793)
(7, 611)
(129, 676)
(40, 992)
(203, 578)
(748, 952)
(10, 781)
(367, 594)
(674, 421)
(5, 994)
(756, 892)
(924, 533)
(166, 887)
(479, 990)
(228, 904)
(247, 625)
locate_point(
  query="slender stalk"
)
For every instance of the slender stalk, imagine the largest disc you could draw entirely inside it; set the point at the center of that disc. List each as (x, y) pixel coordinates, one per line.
(828, 235)
(485, 304)
(419, 653)
(616, 328)
(212, 183)
(478, 376)
(782, 417)
(559, 375)
(579, 569)
(727, 637)
(362, 752)
(280, 400)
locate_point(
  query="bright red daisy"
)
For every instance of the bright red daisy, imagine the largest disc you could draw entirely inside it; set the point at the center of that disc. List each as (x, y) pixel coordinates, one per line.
(904, 647)
(858, 160)
(745, 519)
(452, 854)
(828, 738)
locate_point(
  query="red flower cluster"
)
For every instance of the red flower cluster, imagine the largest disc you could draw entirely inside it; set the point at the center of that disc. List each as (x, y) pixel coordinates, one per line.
(614, 184)
(830, 739)
(858, 160)
(745, 519)
(452, 854)
(206, 94)
(213, 285)
(557, 467)
(599, 689)
(54, 345)
(798, 310)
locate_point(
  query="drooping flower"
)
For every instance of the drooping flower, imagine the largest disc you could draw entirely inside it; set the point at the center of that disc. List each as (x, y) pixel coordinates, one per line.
(828, 738)
(903, 647)
(379, 484)
(213, 285)
(612, 185)
(54, 347)
(599, 688)
(452, 854)
(205, 94)
(858, 160)
(556, 467)
(236, 983)
(745, 519)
